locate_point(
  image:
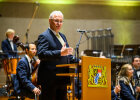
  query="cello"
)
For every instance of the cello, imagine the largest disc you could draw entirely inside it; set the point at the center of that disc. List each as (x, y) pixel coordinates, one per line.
(35, 63)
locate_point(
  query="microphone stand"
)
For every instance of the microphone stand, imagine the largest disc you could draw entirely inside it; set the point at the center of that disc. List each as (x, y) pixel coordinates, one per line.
(78, 66)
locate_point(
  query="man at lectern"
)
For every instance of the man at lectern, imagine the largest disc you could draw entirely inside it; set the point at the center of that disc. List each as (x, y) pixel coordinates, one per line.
(53, 49)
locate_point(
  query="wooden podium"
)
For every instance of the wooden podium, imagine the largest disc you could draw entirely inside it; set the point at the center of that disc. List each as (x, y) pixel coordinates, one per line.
(95, 77)
(92, 86)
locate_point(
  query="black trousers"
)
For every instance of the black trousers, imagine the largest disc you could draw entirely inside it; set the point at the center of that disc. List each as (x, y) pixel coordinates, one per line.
(53, 91)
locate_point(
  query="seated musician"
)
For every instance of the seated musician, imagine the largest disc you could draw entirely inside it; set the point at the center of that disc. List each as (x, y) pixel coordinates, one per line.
(128, 89)
(7, 46)
(9, 49)
(24, 86)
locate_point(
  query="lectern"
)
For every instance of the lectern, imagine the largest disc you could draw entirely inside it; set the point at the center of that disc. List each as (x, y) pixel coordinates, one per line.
(95, 77)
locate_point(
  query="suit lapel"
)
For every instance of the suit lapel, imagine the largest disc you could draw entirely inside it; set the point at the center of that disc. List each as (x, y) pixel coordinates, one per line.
(28, 64)
(14, 47)
(9, 44)
(56, 41)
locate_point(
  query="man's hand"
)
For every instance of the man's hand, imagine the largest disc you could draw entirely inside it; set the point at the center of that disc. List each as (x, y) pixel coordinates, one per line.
(137, 89)
(38, 61)
(66, 51)
(36, 91)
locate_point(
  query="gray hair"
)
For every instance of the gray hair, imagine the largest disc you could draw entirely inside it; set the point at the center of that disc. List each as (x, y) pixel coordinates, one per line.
(55, 13)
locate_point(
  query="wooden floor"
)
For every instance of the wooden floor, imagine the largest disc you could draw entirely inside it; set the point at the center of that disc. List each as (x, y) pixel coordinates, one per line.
(10, 98)
(6, 98)
(70, 97)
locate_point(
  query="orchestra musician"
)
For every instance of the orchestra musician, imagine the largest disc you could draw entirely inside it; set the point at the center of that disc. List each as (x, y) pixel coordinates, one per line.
(9, 49)
(128, 88)
(8, 46)
(136, 67)
(53, 49)
(136, 73)
(23, 85)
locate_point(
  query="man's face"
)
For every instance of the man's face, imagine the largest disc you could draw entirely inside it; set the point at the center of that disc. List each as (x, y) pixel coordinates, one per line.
(136, 63)
(56, 23)
(32, 50)
(11, 36)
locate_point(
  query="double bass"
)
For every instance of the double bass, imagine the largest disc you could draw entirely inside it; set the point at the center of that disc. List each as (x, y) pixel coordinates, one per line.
(35, 61)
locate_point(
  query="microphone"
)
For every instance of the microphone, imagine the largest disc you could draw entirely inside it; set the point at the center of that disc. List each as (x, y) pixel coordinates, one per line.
(84, 31)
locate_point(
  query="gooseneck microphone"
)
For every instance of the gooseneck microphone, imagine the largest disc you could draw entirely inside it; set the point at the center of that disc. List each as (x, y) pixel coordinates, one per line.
(84, 31)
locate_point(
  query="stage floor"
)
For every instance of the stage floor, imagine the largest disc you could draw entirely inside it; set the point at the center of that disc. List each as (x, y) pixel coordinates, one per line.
(7, 98)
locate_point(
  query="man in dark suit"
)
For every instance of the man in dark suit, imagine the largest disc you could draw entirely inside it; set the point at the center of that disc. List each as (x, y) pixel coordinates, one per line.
(9, 49)
(136, 66)
(53, 49)
(136, 73)
(7, 46)
(23, 85)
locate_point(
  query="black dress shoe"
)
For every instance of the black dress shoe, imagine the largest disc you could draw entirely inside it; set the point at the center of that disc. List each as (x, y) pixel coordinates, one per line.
(20, 98)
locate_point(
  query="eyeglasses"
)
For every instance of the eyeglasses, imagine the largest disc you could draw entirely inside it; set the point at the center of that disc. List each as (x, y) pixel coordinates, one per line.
(129, 69)
(57, 21)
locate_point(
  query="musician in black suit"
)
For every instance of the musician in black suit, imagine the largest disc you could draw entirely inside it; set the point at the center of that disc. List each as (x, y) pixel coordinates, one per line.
(23, 85)
(136, 73)
(136, 67)
(9, 49)
(7, 46)
(53, 49)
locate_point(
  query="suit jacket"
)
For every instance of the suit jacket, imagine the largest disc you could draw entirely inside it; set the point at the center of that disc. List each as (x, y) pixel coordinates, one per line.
(7, 49)
(49, 49)
(126, 93)
(23, 77)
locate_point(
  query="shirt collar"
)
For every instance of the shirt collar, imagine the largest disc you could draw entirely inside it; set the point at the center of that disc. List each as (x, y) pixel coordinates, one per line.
(9, 40)
(53, 31)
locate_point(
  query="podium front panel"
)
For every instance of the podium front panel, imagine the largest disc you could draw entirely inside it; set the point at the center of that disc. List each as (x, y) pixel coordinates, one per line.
(96, 78)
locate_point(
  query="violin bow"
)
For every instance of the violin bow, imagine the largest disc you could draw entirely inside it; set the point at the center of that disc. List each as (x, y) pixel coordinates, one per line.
(29, 25)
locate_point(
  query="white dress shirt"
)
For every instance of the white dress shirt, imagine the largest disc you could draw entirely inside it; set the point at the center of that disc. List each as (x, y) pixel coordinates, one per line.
(29, 61)
(12, 44)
